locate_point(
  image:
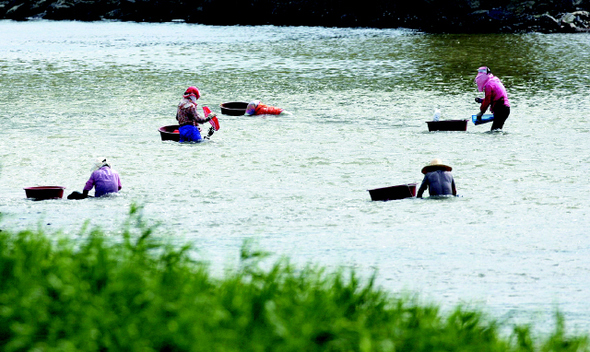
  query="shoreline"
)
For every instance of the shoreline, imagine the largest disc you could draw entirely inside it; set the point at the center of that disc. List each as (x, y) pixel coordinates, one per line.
(465, 16)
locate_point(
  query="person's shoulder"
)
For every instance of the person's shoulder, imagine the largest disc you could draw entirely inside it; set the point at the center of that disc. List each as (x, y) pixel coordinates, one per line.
(495, 81)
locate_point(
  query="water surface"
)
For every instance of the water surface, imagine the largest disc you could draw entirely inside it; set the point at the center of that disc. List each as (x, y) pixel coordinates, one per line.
(515, 243)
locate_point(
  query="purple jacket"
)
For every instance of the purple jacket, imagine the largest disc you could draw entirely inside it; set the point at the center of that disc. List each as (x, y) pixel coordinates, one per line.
(105, 180)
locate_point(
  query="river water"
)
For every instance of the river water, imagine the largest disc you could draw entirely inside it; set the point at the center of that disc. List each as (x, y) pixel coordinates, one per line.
(515, 243)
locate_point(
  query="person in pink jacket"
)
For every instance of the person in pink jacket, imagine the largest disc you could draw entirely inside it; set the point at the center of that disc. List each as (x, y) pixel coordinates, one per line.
(495, 97)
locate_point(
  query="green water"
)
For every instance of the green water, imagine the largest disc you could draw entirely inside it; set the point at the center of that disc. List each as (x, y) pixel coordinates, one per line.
(515, 242)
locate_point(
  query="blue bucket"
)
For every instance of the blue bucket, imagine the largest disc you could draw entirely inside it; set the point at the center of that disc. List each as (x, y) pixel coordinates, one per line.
(484, 119)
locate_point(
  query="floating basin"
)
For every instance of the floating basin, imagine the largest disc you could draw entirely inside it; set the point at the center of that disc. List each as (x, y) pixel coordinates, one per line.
(447, 125)
(233, 108)
(170, 133)
(45, 192)
(393, 192)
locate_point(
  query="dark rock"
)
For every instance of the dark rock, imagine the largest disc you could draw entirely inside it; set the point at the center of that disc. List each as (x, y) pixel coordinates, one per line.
(436, 16)
(500, 14)
(73, 10)
(18, 12)
(548, 24)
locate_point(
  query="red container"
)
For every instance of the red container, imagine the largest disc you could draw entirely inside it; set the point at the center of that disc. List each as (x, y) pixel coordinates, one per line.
(45, 192)
(447, 125)
(234, 108)
(393, 192)
(170, 133)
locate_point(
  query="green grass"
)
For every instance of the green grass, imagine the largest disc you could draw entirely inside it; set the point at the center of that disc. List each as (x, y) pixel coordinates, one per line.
(136, 294)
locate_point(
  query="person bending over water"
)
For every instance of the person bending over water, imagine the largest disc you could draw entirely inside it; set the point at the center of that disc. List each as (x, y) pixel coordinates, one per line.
(103, 179)
(437, 179)
(495, 97)
(189, 117)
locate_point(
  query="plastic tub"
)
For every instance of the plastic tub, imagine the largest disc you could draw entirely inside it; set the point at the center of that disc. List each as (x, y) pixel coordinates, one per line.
(447, 125)
(169, 133)
(393, 192)
(484, 119)
(234, 108)
(44, 192)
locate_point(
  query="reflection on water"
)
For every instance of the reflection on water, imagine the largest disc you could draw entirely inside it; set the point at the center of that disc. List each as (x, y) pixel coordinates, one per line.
(515, 242)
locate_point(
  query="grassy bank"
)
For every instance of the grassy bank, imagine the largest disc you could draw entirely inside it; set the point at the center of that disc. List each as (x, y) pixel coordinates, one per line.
(135, 294)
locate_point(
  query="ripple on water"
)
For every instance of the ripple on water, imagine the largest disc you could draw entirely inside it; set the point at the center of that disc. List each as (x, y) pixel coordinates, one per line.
(514, 242)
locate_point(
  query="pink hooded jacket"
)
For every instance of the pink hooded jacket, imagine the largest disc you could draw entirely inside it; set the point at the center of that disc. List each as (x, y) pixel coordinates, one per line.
(493, 88)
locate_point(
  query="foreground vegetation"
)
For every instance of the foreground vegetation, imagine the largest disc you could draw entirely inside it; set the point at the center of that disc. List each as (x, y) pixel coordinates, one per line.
(136, 294)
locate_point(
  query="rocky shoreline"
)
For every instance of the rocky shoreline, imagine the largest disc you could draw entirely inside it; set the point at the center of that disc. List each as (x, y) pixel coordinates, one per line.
(431, 16)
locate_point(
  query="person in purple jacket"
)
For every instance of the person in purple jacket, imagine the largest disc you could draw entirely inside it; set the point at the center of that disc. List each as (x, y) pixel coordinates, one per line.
(104, 179)
(495, 97)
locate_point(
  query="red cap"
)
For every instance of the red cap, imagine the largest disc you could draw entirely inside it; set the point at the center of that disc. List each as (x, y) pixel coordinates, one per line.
(192, 91)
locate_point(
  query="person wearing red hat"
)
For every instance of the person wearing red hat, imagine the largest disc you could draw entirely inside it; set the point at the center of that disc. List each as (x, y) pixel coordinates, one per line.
(189, 117)
(495, 97)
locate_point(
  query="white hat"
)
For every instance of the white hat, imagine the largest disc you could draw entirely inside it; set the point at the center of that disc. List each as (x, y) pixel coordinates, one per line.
(98, 163)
